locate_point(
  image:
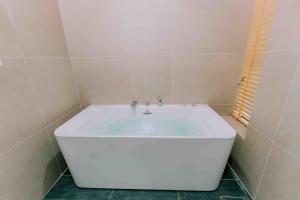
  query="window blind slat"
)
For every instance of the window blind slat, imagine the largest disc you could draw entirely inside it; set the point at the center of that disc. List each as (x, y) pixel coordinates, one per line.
(257, 43)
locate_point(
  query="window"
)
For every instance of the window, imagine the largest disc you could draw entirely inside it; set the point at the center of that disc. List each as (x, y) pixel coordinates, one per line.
(254, 57)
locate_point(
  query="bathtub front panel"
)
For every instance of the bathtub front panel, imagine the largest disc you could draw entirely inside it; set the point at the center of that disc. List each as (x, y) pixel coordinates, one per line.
(146, 163)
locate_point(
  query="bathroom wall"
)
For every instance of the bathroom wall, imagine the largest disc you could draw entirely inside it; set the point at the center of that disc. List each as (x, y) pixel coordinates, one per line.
(268, 159)
(37, 93)
(186, 51)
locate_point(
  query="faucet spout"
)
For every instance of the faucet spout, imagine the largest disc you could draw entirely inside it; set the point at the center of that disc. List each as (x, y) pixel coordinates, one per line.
(134, 104)
(159, 101)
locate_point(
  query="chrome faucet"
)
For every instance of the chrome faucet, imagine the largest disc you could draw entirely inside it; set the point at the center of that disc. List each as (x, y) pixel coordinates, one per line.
(134, 104)
(147, 111)
(159, 101)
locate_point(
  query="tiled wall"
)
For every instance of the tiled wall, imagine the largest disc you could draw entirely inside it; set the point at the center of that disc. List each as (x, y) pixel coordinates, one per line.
(37, 93)
(268, 160)
(186, 51)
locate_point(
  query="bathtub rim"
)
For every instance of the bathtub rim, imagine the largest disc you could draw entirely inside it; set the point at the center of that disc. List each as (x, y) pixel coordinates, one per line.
(60, 132)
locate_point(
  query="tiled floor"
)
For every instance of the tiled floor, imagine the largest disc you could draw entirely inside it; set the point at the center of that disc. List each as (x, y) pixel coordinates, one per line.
(66, 189)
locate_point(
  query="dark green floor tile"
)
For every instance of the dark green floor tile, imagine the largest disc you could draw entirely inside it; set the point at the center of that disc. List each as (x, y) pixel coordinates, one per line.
(66, 189)
(230, 188)
(143, 195)
(228, 174)
(226, 188)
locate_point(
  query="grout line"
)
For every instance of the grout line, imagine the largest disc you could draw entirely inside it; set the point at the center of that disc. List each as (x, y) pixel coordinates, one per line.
(53, 185)
(173, 51)
(64, 114)
(209, 53)
(17, 144)
(281, 50)
(75, 82)
(286, 151)
(286, 100)
(172, 80)
(239, 181)
(37, 57)
(38, 102)
(111, 194)
(53, 151)
(163, 55)
(51, 142)
(130, 56)
(178, 196)
(263, 171)
(63, 29)
(127, 56)
(70, 61)
(22, 141)
(231, 197)
(219, 104)
(277, 128)
(64, 171)
(118, 56)
(263, 134)
(132, 78)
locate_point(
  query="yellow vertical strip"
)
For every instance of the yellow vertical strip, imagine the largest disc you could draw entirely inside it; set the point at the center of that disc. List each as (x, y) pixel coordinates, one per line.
(256, 47)
(252, 51)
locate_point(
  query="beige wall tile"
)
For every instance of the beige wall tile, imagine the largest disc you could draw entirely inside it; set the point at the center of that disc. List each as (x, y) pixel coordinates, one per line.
(93, 34)
(249, 156)
(140, 28)
(289, 133)
(230, 88)
(29, 170)
(8, 42)
(152, 78)
(103, 80)
(282, 177)
(19, 113)
(204, 78)
(278, 71)
(114, 27)
(4, 194)
(285, 30)
(55, 86)
(202, 26)
(39, 27)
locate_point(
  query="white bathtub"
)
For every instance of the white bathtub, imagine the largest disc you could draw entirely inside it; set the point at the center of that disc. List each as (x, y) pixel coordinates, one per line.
(175, 148)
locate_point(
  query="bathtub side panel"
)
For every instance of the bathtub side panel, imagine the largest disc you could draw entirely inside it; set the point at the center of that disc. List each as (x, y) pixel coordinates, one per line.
(146, 163)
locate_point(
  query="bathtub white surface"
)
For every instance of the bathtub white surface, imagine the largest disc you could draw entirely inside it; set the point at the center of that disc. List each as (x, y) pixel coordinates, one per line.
(164, 121)
(175, 148)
